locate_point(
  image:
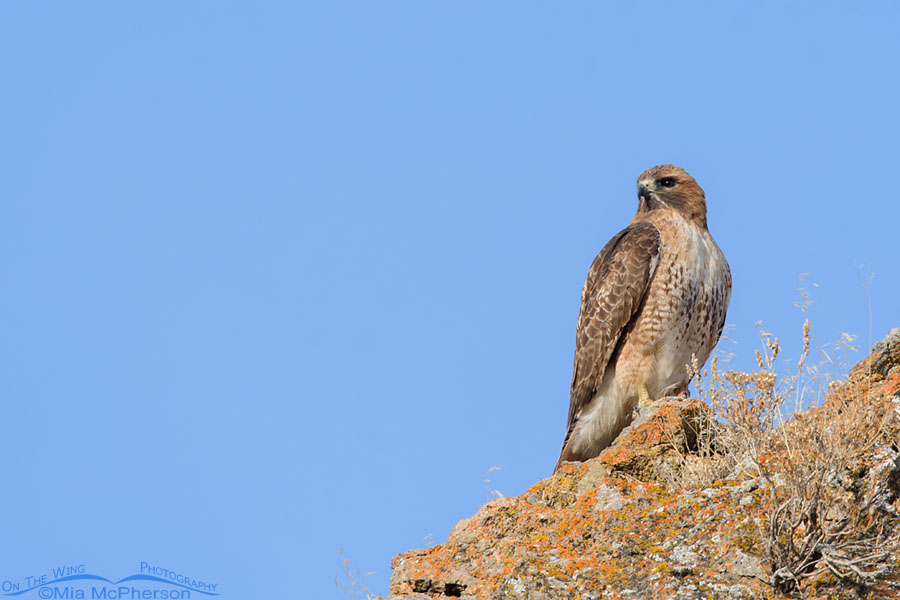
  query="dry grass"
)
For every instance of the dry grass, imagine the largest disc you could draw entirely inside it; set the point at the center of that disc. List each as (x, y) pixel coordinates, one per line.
(350, 582)
(827, 518)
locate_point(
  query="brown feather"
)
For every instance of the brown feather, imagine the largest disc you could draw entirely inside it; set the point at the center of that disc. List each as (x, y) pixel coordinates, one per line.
(615, 287)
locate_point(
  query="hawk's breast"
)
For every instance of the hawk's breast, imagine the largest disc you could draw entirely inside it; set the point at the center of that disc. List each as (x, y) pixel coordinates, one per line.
(685, 307)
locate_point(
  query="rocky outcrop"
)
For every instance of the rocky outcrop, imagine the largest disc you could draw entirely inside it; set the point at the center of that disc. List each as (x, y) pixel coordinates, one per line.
(617, 527)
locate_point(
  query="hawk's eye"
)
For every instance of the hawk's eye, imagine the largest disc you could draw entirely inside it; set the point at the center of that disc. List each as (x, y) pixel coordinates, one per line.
(667, 182)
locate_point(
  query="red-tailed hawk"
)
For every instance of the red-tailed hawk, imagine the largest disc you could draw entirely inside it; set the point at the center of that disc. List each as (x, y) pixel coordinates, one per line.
(655, 296)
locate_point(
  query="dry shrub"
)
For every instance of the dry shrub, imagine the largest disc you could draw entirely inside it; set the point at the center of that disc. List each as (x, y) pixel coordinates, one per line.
(829, 475)
(828, 512)
(745, 408)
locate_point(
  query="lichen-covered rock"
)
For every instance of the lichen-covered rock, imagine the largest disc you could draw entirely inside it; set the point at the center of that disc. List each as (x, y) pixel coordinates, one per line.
(654, 446)
(885, 354)
(615, 538)
(610, 527)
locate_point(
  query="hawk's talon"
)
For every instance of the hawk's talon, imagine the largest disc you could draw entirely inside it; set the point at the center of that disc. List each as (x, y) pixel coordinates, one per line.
(644, 400)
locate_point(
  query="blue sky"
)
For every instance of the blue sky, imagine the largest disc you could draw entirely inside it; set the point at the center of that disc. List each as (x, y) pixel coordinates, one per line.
(285, 278)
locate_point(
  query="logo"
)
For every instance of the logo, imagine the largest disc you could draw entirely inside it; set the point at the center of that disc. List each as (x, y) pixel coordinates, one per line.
(74, 582)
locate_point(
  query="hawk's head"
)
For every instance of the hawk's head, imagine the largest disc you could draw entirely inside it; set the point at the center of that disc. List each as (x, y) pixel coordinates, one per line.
(670, 187)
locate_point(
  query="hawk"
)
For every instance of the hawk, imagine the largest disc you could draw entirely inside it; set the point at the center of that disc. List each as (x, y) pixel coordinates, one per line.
(655, 297)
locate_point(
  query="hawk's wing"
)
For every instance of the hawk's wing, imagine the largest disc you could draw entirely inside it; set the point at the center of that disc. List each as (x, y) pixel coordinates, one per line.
(613, 293)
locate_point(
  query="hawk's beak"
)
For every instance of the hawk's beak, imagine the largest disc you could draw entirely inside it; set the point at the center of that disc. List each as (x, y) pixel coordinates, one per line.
(643, 191)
